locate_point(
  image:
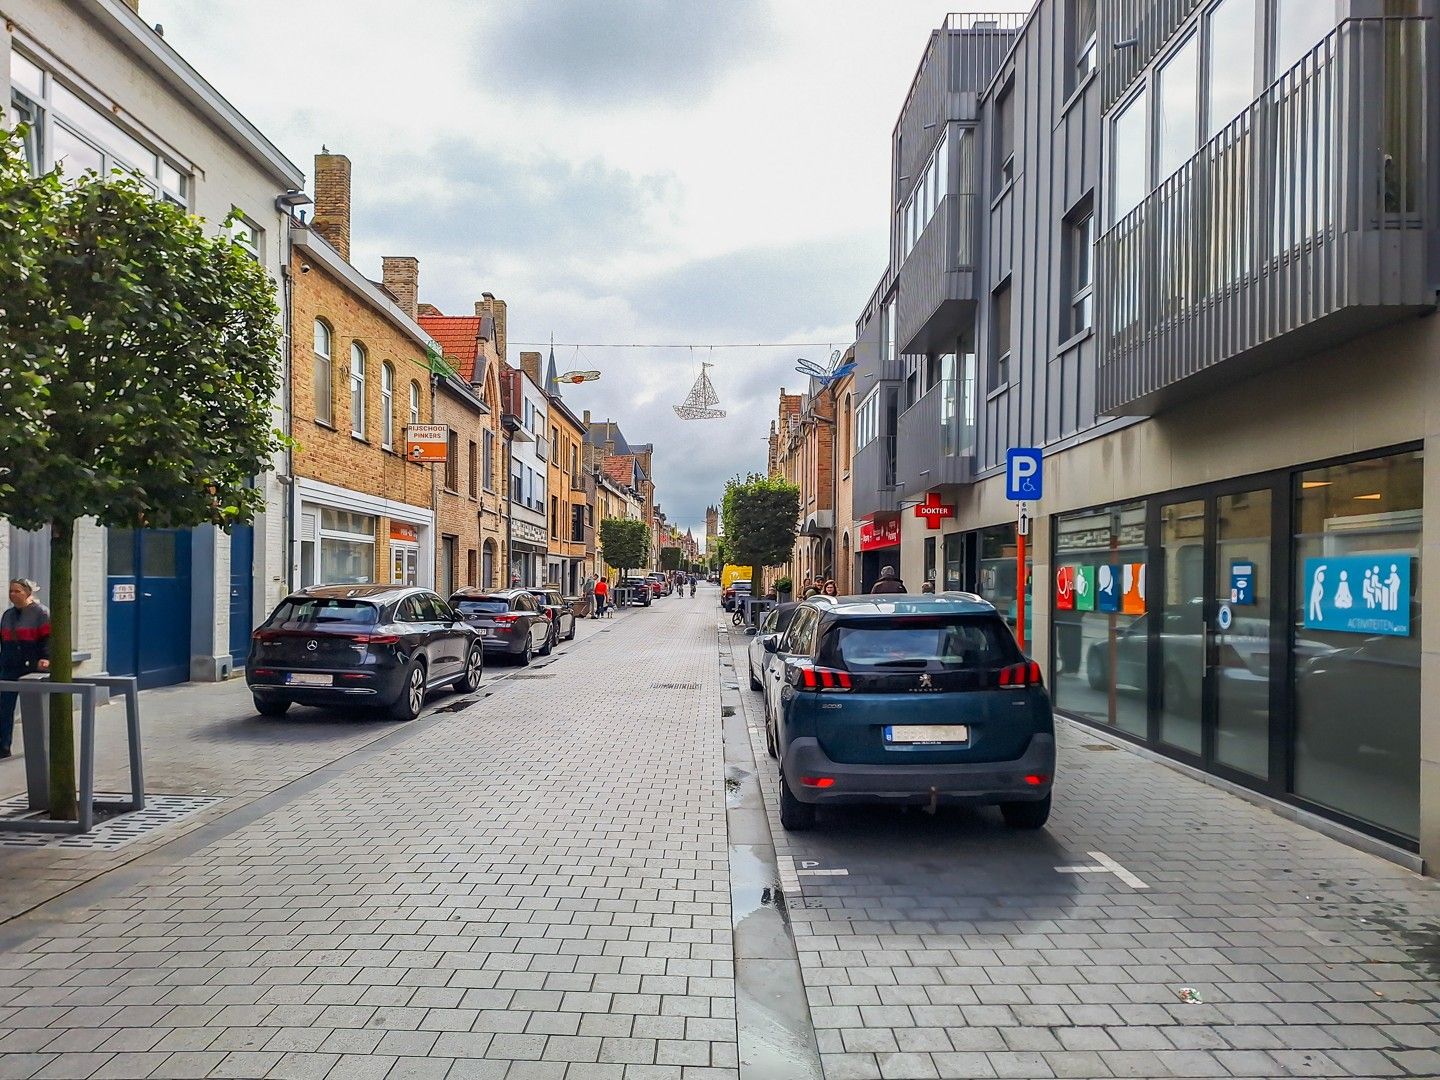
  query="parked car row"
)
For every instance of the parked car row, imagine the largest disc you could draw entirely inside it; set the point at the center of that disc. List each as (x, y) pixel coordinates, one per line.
(907, 700)
(388, 646)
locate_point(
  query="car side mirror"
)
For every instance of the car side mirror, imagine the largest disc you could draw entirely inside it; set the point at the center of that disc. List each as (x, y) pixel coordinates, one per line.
(771, 644)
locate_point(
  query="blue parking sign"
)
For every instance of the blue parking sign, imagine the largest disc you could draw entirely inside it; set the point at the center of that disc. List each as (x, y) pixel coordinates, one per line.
(1023, 476)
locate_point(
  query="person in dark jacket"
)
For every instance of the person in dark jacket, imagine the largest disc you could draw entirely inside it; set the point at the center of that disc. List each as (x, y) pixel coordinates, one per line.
(24, 648)
(889, 582)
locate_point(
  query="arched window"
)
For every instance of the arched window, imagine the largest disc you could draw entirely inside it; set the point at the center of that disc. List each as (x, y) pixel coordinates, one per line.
(414, 403)
(387, 405)
(323, 384)
(845, 452)
(357, 389)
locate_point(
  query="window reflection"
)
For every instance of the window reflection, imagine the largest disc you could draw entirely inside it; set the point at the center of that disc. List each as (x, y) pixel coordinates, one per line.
(1357, 697)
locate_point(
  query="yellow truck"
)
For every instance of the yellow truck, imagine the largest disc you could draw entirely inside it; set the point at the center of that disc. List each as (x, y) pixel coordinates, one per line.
(732, 573)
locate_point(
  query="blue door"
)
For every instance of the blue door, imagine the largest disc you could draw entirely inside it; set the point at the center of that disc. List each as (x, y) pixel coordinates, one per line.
(242, 585)
(148, 605)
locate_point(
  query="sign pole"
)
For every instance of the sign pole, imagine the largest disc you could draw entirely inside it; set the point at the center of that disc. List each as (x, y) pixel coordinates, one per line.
(1020, 590)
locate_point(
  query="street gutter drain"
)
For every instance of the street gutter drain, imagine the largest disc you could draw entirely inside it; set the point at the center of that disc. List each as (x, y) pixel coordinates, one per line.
(675, 686)
(113, 832)
(727, 710)
(530, 675)
(1098, 746)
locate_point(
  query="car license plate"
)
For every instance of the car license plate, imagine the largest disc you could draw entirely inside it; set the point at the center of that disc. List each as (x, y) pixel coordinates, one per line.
(300, 678)
(927, 734)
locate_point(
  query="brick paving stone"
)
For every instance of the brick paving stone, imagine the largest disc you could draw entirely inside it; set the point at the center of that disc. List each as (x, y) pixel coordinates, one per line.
(1310, 958)
(515, 890)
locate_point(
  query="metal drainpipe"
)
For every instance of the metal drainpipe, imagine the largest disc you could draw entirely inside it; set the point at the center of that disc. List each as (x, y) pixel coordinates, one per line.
(510, 502)
(287, 418)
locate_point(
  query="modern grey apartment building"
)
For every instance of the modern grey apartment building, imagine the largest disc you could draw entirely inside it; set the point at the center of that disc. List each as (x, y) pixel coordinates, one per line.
(1190, 249)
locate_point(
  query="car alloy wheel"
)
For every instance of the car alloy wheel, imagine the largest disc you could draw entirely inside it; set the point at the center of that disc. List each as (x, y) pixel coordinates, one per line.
(528, 652)
(412, 697)
(474, 671)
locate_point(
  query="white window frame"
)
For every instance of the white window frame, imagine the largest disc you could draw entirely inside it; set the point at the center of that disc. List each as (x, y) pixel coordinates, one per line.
(414, 402)
(387, 405)
(324, 362)
(358, 363)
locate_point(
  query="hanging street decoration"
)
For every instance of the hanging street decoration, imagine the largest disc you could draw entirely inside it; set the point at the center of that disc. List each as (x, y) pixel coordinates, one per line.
(578, 376)
(701, 401)
(826, 375)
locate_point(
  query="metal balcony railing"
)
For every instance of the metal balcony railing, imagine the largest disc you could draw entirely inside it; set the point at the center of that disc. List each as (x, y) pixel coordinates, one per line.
(1315, 202)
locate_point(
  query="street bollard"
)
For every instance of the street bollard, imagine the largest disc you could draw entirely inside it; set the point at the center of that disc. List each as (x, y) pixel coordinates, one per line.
(36, 732)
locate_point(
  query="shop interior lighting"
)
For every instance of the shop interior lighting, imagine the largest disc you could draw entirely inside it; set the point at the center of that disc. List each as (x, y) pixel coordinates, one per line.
(1308, 484)
(1372, 496)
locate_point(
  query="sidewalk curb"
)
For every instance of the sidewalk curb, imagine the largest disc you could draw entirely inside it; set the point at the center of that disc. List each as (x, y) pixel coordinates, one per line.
(776, 1031)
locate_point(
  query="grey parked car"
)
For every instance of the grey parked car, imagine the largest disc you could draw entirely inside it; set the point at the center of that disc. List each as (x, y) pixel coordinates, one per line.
(510, 621)
(774, 624)
(560, 614)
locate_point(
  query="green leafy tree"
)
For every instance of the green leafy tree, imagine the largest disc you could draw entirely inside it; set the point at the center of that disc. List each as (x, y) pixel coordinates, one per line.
(625, 543)
(761, 517)
(140, 358)
(670, 558)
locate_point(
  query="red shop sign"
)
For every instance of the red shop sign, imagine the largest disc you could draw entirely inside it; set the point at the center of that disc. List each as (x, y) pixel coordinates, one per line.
(879, 534)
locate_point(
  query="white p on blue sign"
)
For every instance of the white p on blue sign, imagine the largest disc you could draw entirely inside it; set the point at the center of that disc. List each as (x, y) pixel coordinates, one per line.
(1022, 473)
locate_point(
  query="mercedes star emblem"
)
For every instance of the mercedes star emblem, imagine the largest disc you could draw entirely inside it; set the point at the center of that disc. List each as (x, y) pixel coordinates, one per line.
(311, 645)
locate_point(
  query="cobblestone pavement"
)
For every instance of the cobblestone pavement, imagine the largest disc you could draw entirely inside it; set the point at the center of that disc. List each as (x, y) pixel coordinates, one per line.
(534, 887)
(199, 739)
(948, 946)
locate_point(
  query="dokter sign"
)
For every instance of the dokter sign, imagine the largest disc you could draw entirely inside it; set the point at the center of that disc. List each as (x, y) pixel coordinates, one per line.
(1358, 594)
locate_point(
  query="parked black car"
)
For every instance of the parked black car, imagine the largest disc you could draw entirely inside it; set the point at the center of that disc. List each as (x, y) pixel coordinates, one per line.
(560, 614)
(384, 645)
(642, 592)
(509, 621)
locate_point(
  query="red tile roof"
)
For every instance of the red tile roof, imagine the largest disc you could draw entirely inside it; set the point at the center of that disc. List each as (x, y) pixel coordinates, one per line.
(458, 337)
(621, 469)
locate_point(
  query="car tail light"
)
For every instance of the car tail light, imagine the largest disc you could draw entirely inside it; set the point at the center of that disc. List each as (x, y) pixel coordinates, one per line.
(267, 672)
(265, 635)
(1035, 779)
(806, 676)
(549, 614)
(817, 781)
(505, 620)
(377, 639)
(1019, 676)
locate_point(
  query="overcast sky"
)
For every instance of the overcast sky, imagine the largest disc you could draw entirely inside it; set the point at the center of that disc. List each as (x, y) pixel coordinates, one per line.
(632, 171)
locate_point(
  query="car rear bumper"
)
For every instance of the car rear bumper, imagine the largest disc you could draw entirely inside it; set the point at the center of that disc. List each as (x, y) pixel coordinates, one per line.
(979, 782)
(381, 688)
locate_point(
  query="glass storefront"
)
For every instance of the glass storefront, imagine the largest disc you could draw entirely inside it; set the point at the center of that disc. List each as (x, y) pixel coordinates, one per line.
(996, 573)
(1266, 629)
(1357, 689)
(347, 547)
(1100, 660)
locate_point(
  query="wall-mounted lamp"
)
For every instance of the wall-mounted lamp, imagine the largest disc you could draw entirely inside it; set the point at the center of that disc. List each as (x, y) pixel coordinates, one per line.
(292, 200)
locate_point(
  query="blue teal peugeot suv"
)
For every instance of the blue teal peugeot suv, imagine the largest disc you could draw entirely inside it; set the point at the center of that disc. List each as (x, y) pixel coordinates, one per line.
(911, 700)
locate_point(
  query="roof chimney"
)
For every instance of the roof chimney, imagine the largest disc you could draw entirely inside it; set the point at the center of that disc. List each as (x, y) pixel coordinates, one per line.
(400, 274)
(530, 364)
(490, 306)
(332, 200)
(587, 419)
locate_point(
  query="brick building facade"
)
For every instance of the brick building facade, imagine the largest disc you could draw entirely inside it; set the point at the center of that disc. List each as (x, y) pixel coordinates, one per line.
(359, 374)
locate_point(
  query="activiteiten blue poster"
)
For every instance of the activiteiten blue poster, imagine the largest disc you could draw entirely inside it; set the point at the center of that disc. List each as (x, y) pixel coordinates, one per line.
(1358, 594)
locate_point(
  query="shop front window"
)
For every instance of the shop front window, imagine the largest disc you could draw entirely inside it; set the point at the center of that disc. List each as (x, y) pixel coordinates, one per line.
(1101, 649)
(347, 548)
(996, 576)
(1357, 639)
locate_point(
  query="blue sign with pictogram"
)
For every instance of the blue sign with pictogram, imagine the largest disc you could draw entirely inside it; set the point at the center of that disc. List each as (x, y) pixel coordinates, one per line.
(1242, 583)
(1023, 478)
(1358, 594)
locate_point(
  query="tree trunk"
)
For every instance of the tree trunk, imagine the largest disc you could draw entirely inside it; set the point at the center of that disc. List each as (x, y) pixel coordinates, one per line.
(62, 669)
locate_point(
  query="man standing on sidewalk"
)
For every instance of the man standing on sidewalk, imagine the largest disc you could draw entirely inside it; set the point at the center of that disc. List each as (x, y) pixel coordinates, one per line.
(24, 648)
(602, 592)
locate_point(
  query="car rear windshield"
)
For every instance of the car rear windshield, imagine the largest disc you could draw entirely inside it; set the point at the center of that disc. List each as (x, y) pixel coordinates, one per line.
(482, 605)
(325, 611)
(920, 643)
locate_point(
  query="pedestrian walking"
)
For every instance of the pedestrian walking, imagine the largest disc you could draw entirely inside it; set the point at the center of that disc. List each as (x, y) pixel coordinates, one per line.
(889, 582)
(602, 593)
(24, 648)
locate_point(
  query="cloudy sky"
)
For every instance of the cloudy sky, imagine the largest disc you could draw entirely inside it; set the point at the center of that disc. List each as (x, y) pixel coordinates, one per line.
(670, 172)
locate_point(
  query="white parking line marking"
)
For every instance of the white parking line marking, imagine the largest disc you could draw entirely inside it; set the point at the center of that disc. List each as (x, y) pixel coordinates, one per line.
(825, 873)
(1107, 866)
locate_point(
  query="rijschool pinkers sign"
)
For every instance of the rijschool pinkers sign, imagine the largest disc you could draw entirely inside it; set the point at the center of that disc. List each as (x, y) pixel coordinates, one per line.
(427, 443)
